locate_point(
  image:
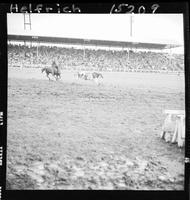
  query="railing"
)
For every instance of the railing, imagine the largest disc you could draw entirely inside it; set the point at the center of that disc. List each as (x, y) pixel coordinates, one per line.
(154, 71)
(20, 65)
(82, 68)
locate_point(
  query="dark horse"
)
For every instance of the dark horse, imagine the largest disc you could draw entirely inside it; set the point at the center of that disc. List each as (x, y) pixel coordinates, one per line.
(54, 70)
(96, 75)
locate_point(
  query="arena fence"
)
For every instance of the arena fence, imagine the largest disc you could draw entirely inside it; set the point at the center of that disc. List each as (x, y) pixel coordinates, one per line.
(82, 68)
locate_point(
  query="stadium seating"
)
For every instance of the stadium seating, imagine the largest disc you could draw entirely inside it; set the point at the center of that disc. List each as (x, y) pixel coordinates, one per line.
(96, 60)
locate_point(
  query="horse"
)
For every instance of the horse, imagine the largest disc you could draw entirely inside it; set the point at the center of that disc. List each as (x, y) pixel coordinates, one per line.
(84, 75)
(87, 76)
(96, 75)
(55, 71)
(80, 74)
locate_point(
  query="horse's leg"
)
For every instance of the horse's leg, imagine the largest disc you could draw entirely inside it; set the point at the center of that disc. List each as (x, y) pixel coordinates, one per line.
(58, 76)
(54, 75)
(48, 77)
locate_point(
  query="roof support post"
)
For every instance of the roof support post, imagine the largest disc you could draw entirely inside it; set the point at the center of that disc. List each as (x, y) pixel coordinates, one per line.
(84, 49)
(129, 53)
(171, 58)
(37, 50)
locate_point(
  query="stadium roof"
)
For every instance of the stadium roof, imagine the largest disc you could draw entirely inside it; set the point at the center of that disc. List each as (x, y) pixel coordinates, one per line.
(79, 41)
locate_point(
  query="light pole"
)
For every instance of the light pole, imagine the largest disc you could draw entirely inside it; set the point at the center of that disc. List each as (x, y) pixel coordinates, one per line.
(131, 24)
(131, 32)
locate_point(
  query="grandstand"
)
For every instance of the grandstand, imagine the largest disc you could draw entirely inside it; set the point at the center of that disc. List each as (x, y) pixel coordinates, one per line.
(97, 55)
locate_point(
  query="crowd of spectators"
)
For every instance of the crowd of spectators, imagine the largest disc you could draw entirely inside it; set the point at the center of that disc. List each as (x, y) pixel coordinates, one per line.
(97, 60)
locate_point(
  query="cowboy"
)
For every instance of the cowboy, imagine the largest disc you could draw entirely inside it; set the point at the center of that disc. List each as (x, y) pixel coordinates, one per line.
(54, 65)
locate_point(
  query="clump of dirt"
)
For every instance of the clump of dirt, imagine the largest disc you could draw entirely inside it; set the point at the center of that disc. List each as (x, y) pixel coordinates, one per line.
(120, 174)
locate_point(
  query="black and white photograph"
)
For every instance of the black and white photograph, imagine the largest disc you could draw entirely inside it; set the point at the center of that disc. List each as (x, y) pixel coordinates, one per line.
(95, 102)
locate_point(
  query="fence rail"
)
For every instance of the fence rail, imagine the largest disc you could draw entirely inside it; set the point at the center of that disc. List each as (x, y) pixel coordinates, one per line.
(95, 69)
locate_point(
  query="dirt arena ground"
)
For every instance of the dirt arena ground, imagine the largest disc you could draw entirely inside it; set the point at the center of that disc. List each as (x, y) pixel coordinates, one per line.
(75, 134)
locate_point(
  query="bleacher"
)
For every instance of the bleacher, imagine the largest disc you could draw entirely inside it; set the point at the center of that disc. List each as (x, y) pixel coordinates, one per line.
(96, 60)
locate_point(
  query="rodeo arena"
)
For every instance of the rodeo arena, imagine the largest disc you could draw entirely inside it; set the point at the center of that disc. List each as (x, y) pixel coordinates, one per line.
(93, 114)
